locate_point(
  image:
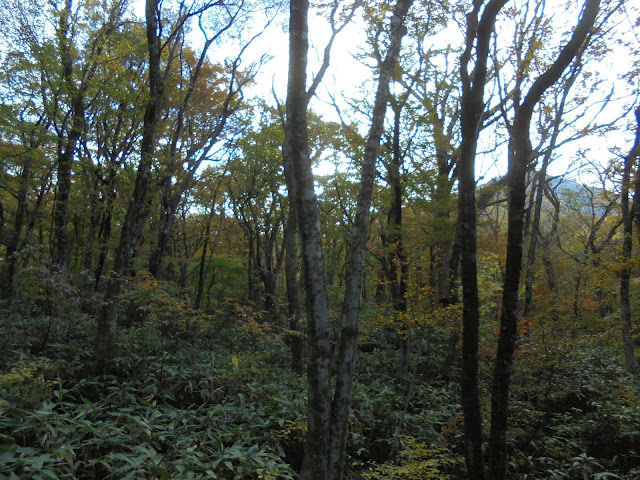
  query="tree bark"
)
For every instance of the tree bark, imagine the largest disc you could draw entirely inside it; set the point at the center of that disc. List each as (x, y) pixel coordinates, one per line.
(471, 116)
(520, 154)
(108, 318)
(630, 161)
(314, 466)
(10, 290)
(356, 255)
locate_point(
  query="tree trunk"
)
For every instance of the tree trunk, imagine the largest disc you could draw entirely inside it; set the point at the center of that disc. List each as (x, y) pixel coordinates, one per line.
(45, 188)
(105, 231)
(169, 206)
(549, 268)
(314, 466)
(327, 426)
(107, 320)
(520, 153)
(61, 244)
(95, 216)
(10, 290)
(448, 299)
(203, 257)
(630, 161)
(538, 188)
(472, 110)
(398, 257)
(356, 255)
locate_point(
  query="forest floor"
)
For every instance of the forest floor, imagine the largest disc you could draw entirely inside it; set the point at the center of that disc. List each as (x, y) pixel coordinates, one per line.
(215, 397)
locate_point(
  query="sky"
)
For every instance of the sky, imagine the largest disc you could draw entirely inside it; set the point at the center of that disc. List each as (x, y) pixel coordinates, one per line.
(346, 75)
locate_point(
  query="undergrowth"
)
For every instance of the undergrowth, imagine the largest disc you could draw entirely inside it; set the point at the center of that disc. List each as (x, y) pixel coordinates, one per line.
(214, 396)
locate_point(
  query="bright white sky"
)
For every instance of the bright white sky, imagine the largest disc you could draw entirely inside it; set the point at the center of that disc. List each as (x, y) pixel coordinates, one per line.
(346, 75)
(345, 72)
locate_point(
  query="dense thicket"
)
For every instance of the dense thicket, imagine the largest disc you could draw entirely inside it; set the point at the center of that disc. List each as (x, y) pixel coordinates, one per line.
(462, 225)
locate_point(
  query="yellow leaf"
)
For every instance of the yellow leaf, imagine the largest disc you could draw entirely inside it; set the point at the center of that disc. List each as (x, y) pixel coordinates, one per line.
(234, 360)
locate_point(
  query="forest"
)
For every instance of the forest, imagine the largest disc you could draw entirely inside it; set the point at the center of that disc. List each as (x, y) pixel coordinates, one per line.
(320, 240)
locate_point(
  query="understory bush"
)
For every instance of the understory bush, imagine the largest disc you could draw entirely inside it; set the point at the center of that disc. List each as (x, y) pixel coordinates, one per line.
(204, 397)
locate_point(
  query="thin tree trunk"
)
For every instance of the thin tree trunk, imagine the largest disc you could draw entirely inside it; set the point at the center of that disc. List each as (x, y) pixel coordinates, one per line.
(627, 220)
(520, 153)
(398, 257)
(334, 256)
(549, 268)
(45, 188)
(448, 299)
(10, 290)
(534, 232)
(203, 257)
(169, 206)
(472, 111)
(105, 232)
(533, 240)
(107, 320)
(96, 210)
(61, 245)
(356, 256)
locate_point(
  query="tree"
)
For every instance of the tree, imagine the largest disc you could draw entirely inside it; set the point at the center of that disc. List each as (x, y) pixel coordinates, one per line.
(255, 180)
(205, 98)
(316, 299)
(520, 154)
(326, 437)
(107, 320)
(562, 115)
(630, 160)
(356, 256)
(57, 53)
(112, 131)
(397, 263)
(29, 186)
(299, 77)
(478, 36)
(208, 194)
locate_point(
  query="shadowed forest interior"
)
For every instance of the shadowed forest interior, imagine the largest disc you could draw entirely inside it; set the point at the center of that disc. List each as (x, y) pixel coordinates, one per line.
(421, 262)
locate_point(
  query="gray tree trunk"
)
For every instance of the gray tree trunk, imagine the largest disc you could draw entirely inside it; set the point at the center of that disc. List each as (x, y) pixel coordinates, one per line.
(356, 255)
(314, 466)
